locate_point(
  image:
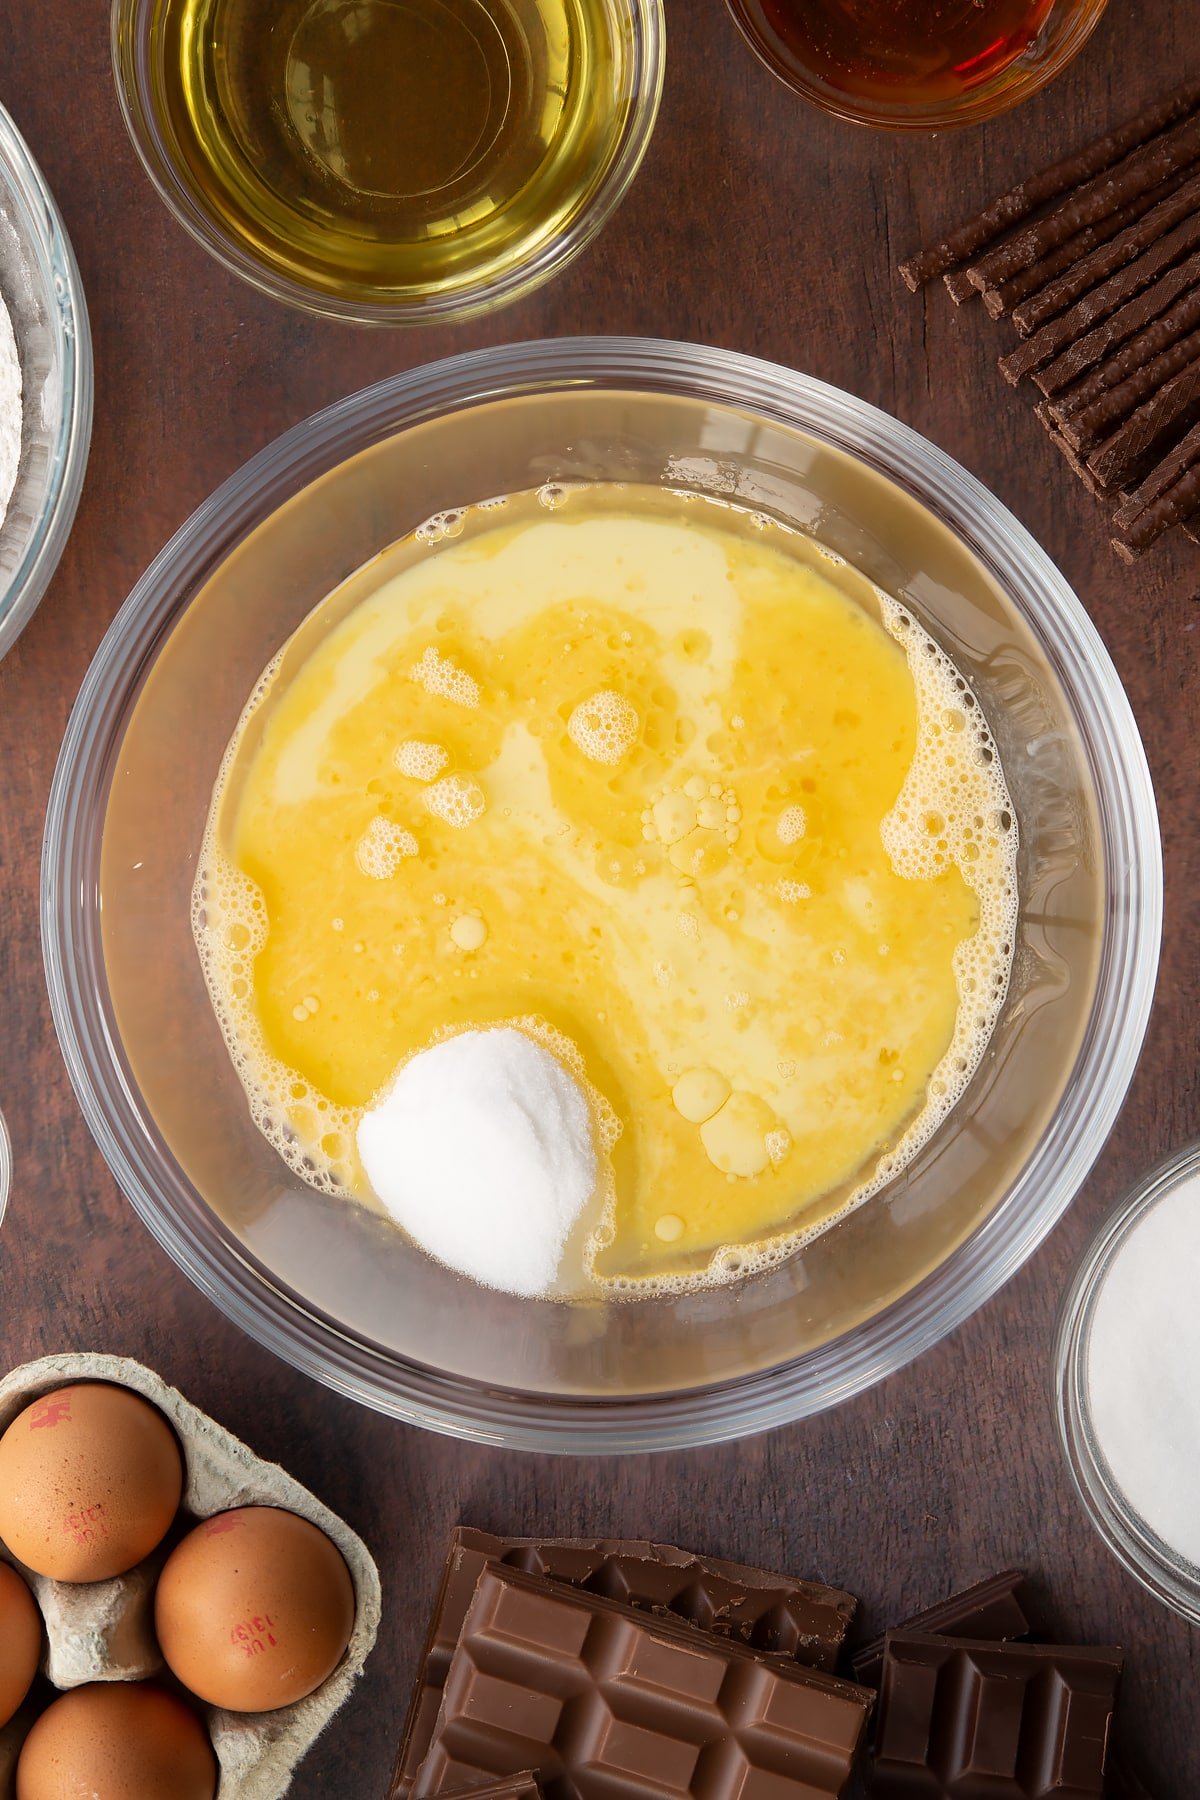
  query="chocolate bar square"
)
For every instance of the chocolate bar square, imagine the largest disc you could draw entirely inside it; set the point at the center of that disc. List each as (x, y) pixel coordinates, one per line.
(961, 1720)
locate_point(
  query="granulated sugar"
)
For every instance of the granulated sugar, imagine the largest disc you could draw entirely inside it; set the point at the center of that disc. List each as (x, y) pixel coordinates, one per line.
(10, 409)
(482, 1150)
(1144, 1369)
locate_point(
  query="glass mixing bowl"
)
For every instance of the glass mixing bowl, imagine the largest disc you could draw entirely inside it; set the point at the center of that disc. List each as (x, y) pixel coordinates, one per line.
(637, 31)
(336, 1290)
(41, 288)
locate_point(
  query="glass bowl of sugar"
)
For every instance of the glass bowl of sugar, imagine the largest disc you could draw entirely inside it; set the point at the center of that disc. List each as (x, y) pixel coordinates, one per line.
(1128, 1402)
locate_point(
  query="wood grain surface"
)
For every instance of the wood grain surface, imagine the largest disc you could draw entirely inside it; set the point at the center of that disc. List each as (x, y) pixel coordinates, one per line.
(758, 224)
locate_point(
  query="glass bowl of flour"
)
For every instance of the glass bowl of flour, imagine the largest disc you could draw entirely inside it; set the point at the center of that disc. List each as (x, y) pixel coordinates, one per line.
(45, 385)
(1127, 1392)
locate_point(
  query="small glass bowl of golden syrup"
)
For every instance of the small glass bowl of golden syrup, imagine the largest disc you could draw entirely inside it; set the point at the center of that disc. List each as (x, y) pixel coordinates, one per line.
(391, 161)
(916, 65)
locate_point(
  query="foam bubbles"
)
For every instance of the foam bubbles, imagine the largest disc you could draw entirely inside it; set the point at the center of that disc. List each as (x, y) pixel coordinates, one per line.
(382, 847)
(457, 800)
(438, 675)
(420, 762)
(604, 727)
(229, 923)
(791, 825)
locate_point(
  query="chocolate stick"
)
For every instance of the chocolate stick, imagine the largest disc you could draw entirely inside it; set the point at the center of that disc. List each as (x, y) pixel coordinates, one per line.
(1140, 173)
(1169, 493)
(1040, 189)
(1090, 349)
(1107, 259)
(1141, 352)
(1084, 430)
(1074, 461)
(1001, 299)
(1134, 279)
(1122, 459)
(1175, 508)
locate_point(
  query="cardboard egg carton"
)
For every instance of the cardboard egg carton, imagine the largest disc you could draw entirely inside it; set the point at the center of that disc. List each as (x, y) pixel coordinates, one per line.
(104, 1631)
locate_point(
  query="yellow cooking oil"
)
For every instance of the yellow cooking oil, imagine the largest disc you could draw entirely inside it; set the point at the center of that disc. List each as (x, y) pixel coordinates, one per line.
(406, 148)
(661, 779)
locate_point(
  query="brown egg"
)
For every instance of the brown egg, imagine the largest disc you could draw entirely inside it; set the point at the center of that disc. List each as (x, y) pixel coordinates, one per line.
(117, 1740)
(254, 1609)
(20, 1641)
(90, 1480)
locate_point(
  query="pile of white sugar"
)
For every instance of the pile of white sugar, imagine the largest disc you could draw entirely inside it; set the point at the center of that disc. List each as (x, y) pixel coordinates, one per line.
(482, 1149)
(10, 409)
(1143, 1372)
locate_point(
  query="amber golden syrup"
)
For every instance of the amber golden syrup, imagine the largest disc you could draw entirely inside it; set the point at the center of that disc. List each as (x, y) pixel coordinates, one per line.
(905, 51)
(369, 148)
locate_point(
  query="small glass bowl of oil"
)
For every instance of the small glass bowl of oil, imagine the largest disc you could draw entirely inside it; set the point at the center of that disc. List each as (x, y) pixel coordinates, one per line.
(916, 65)
(391, 161)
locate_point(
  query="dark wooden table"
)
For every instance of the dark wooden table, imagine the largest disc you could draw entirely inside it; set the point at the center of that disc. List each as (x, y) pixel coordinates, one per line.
(757, 224)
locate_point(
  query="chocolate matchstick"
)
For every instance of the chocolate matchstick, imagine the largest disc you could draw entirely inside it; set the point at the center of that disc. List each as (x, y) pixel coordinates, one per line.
(1077, 358)
(1102, 302)
(1001, 299)
(1108, 259)
(1074, 461)
(1085, 429)
(1169, 493)
(1123, 459)
(1140, 173)
(1040, 189)
(1132, 361)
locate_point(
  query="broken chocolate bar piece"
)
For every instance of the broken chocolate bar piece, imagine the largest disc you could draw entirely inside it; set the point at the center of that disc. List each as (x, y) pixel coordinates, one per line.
(523, 1786)
(797, 1620)
(962, 1720)
(600, 1699)
(993, 1609)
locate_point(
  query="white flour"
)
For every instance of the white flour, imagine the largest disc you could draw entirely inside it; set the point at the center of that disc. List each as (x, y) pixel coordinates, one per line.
(10, 409)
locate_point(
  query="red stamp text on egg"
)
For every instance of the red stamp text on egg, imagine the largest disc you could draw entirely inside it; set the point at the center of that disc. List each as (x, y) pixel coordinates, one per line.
(55, 1409)
(87, 1526)
(255, 1636)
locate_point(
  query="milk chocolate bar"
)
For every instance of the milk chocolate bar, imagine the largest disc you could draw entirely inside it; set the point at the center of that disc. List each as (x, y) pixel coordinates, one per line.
(797, 1621)
(961, 1720)
(993, 1609)
(601, 1699)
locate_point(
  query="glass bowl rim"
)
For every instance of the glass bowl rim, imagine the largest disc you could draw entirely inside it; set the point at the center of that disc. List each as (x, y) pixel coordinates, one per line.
(1136, 1546)
(936, 115)
(44, 236)
(247, 1292)
(645, 88)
